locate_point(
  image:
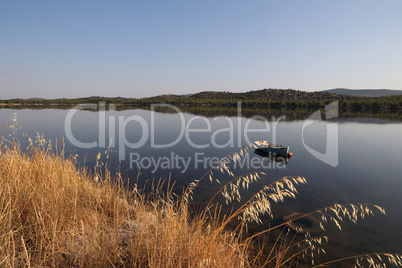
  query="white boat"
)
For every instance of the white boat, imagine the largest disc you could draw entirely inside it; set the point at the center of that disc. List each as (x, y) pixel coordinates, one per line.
(273, 148)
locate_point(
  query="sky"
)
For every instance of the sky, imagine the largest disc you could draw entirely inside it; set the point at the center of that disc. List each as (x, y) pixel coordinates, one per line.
(70, 49)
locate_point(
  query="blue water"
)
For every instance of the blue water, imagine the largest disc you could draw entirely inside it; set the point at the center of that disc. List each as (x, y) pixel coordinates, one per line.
(368, 153)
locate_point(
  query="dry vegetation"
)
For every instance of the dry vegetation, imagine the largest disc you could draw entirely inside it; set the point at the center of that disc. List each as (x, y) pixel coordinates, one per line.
(53, 214)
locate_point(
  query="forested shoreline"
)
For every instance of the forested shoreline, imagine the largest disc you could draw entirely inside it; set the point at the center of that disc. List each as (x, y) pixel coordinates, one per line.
(266, 98)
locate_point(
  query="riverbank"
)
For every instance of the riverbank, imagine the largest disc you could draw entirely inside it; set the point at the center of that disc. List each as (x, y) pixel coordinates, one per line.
(55, 214)
(261, 99)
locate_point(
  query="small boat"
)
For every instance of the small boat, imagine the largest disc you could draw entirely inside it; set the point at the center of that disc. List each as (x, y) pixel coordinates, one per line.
(273, 157)
(273, 148)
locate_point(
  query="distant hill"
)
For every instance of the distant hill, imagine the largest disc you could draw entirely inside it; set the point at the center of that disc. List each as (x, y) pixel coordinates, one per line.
(187, 95)
(36, 99)
(167, 96)
(365, 92)
(384, 100)
(284, 98)
(265, 95)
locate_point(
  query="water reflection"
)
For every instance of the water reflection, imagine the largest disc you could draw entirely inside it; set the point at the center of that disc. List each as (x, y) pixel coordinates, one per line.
(369, 170)
(271, 157)
(289, 113)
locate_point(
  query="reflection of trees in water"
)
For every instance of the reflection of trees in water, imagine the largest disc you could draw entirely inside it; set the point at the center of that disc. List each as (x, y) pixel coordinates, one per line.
(291, 114)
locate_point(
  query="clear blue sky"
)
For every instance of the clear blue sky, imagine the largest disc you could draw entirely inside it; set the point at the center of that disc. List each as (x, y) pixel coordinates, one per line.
(144, 48)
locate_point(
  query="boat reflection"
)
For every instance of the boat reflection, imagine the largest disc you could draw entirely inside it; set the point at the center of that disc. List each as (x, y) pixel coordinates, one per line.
(272, 157)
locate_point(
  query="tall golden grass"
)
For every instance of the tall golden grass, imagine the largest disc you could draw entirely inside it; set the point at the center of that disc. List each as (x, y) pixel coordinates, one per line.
(54, 214)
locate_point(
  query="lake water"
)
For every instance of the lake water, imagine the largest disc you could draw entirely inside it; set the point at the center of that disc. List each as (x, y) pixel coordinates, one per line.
(363, 159)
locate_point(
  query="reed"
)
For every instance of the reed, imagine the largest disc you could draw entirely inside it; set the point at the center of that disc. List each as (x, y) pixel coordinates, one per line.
(55, 214)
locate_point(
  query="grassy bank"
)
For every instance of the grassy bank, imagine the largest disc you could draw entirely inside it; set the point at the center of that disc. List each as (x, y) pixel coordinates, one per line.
(54, 214)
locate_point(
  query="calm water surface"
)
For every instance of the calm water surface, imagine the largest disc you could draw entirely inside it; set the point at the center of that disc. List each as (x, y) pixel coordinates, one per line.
(369, 168)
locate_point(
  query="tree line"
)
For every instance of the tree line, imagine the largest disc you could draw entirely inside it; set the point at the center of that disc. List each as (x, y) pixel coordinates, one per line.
(267, 98)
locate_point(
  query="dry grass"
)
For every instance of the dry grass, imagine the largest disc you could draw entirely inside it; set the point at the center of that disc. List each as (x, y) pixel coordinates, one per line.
(53, 214)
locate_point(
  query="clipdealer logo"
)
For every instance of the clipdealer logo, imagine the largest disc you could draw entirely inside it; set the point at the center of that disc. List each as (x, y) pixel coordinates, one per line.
(331, 155)
(187, 130)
